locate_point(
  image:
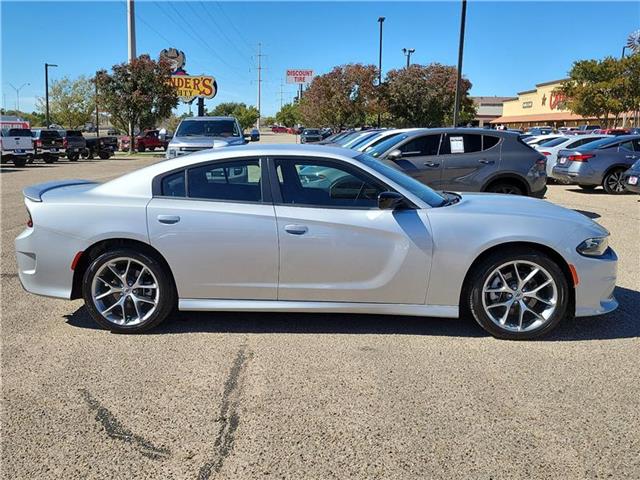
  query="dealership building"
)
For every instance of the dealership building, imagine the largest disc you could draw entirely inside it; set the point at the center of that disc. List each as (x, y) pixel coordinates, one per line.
(542, 105)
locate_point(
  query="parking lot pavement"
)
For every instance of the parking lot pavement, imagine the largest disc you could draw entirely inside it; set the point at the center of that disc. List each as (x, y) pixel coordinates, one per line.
(248, 395)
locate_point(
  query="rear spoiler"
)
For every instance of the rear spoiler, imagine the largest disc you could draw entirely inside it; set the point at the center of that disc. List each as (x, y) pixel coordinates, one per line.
(35, 192)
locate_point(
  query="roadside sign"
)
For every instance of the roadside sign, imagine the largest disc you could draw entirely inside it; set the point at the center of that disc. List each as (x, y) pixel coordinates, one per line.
(299, 76)
(189, 87)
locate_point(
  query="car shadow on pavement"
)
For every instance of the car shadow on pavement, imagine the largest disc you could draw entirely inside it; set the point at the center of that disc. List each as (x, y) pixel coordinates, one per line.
(623, 323)
(586, 213)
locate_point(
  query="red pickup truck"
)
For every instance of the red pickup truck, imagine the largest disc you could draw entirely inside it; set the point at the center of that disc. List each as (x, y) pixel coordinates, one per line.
(148, 140)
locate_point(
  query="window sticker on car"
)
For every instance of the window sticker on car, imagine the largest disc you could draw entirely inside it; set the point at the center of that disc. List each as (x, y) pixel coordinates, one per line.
(457, 144)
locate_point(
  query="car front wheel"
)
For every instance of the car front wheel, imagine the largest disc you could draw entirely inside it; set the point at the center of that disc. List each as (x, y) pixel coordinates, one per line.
(518, 295)
(127, 291)
(506, 188)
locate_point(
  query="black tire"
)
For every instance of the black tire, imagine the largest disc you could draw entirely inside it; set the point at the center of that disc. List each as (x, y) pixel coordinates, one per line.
(141, 148)
(104, 155)
(73, 157)
(49, 159)
(506, 188)
(167, 300)
(473, 293)
(588, 188)
(90, 154)
(613, 183)
(19, 162)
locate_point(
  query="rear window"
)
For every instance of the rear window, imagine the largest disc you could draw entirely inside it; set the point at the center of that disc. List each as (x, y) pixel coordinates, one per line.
(312, 132)
(554, 142)
(173, 185)
(49, 134)
(74, 133)
(460, 143)
(19, 132)
(601, 144)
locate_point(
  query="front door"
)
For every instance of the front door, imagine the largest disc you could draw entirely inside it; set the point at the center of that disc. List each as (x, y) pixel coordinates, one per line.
(337, 246)
(215, 231)
(420, 159)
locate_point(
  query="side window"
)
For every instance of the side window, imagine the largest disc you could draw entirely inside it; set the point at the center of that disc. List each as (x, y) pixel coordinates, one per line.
(173, 185)
(627, 145)
(421, 146)
(460, 143)
(326, 184)
(232, 181)
(489, 141)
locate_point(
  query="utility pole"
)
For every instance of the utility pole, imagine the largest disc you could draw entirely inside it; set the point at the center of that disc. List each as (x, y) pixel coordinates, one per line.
(281, 93)
(380, 21)
(456, 108)
(259, 84)
(46, 91)
(131, 43)
(407, 53)
(97, 115)
(17, 94)
(131, 29)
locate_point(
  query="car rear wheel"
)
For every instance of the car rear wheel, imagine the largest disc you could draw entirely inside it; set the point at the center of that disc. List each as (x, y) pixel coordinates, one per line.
(19, 162)
(49, 159)
(613, 182)
(505, 187)
(73, 157)
(141, 148)
(127, 291)
(518, 294)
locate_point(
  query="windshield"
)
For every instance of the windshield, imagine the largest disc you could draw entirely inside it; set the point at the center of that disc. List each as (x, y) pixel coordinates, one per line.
(361, 138)
(346, 138)
(208, 128)
(386, 145)
(19, 132)
(420, 190)
(74, 133)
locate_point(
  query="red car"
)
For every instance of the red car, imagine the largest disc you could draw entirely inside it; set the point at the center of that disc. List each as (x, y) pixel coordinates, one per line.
(613, 131)
(278, 129)
(150, 140)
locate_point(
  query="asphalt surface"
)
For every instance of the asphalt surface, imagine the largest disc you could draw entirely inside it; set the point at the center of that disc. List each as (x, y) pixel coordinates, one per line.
(298, 396)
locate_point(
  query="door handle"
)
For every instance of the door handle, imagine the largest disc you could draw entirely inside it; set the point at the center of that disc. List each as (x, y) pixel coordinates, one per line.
(168, 219)
(629, 156)
(487, 162)
(296, 229)
(431, 164)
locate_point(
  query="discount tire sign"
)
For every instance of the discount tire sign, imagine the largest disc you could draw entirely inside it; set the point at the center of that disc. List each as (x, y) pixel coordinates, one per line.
(299, 76)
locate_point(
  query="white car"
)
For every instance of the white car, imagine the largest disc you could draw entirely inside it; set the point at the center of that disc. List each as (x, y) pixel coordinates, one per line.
(551, 147)
(378, 138)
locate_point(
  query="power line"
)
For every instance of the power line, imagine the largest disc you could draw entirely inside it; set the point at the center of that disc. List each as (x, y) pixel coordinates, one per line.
(221, 31)
(240, 35)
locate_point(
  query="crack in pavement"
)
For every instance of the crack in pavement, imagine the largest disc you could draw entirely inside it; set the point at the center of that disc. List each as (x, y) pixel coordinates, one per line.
(229, 417)
(118, 431)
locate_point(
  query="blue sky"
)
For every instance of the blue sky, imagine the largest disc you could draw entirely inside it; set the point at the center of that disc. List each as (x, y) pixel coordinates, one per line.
(509, 46)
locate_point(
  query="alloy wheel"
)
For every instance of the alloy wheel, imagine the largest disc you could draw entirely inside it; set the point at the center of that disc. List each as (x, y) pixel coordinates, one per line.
(519, 296)
(125, 291)
(614, 182)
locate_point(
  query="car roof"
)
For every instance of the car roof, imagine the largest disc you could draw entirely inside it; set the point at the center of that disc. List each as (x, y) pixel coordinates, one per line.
(468, 130)
(201, 119)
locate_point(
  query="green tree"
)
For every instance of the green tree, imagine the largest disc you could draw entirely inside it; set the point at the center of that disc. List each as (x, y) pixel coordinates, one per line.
(603, 89)
(268, 120)
(71, 102)
(137, 93)
(344, 97)
(35, 119)
(289, 115)
(424, 96)
(246, 115)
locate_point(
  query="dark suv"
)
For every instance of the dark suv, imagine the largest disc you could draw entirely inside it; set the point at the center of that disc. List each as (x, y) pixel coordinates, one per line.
(467, 159)
(48, 144)
(74, 143)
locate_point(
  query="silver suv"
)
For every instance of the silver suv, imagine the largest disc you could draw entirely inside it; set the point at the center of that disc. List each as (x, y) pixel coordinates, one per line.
(200, 133)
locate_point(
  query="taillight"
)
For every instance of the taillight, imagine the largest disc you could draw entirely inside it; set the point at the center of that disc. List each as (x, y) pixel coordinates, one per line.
(65, 143)
(580, 158)
(546, 154)
(38, 143)
(30, 220)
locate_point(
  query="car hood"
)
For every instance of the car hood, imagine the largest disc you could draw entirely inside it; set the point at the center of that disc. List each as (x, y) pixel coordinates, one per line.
(205, 142)
(500, 205)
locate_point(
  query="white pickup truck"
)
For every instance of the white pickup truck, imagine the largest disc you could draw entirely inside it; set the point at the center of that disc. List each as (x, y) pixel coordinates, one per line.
(16, 145)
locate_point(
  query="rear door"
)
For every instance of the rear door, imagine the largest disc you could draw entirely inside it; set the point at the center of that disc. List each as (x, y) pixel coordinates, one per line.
(468, 159)
(420, 159)
(336, 245)
(215, 225)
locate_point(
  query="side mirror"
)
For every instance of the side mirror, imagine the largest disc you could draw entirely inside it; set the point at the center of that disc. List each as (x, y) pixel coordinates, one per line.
(390, 200)
(394, 155)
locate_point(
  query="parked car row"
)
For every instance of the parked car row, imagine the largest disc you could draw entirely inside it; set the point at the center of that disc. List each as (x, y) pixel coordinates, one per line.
(24, 145)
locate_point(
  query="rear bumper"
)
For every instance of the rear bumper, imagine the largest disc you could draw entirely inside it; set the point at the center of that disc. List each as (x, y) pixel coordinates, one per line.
(577, 172)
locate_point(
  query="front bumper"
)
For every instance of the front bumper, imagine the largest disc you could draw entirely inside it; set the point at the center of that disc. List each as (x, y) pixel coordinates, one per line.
(597, 281)
(632, 182)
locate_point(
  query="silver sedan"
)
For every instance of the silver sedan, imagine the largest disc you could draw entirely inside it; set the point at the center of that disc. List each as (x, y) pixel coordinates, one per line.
(309, 229)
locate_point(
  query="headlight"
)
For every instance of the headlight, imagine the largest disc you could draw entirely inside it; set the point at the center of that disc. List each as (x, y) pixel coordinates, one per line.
(172, 153)
(593, 247)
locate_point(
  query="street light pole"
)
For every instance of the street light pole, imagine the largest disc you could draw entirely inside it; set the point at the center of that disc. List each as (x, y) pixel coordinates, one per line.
(380, 21)
(623, 49)
(97, 115)
(456, 108)
(46, 90)
(18, 94)
(407, 53)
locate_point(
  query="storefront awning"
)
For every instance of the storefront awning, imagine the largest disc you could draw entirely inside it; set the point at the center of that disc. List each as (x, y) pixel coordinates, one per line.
(541, 117)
